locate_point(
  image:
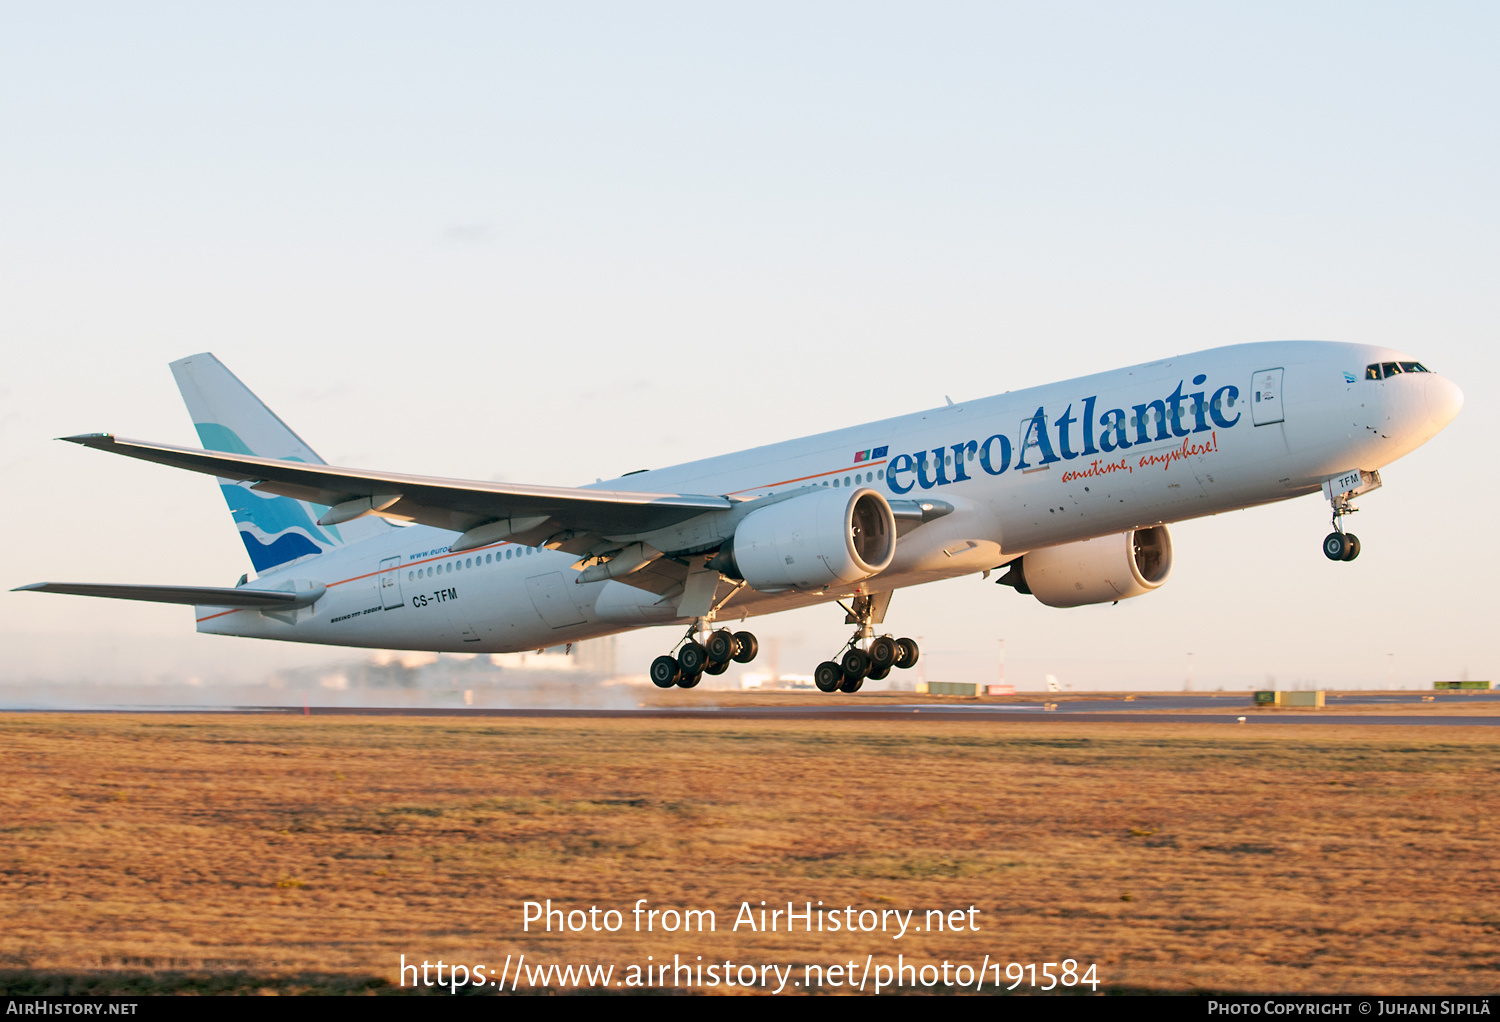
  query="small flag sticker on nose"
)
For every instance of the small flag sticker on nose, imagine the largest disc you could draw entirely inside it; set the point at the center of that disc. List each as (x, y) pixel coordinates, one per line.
(870, 455)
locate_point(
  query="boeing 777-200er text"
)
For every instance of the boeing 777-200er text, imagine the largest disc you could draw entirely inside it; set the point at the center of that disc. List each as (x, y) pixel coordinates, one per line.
(1070, 487)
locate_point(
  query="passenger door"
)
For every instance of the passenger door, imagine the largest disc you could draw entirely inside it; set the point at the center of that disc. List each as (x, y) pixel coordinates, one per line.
(1031, 446)
(389, 583)
(1265, 397)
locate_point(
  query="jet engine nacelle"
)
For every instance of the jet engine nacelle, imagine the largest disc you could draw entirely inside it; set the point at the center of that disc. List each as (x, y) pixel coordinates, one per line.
(827, 538)
(1099, 570)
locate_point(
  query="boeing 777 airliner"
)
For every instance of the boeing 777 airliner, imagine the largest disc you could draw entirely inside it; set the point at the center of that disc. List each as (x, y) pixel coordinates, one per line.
(1069, 487)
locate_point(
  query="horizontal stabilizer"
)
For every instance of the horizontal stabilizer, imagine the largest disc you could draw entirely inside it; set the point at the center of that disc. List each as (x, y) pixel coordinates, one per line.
(196, 596)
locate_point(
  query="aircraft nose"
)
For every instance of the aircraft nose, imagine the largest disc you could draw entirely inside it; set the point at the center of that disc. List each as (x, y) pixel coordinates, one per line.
(1444, 399)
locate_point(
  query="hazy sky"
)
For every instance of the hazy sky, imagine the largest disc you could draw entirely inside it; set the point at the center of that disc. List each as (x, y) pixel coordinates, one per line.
(550, 242)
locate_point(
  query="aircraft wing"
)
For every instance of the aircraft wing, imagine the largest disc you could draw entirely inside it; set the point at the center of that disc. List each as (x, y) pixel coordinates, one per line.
(198, 596)
(539, 512)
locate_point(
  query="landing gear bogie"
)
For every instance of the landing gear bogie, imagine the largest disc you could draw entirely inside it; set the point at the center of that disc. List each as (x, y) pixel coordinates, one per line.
(875, 661)
(865, 655)
(703, 652)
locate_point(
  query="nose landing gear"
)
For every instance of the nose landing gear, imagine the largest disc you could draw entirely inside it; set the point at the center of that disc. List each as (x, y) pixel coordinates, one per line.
(1339, 545)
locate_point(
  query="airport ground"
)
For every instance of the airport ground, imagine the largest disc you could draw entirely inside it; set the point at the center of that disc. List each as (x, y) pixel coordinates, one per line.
(241, 851)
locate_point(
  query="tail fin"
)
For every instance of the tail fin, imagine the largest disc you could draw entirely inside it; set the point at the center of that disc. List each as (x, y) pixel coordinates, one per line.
(229, 418)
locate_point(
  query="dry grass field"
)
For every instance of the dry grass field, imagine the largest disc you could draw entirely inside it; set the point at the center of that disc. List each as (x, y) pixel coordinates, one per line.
(307, 853)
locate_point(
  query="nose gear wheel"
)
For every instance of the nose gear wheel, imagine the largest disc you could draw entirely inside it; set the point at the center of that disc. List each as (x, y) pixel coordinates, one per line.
(1341, 546)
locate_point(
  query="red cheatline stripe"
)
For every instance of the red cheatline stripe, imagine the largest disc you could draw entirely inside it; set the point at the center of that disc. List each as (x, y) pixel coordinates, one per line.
(861, 467)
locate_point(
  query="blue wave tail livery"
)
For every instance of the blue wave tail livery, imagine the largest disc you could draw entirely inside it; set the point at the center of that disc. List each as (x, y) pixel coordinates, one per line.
(276, 530)
(1069, 487)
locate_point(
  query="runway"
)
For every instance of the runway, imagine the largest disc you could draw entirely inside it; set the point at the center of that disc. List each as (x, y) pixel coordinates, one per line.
(907, 712)
(966, 713)
(1233, 709)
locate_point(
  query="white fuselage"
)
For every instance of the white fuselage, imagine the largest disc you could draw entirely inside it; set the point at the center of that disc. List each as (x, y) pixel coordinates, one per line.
(1023, 470)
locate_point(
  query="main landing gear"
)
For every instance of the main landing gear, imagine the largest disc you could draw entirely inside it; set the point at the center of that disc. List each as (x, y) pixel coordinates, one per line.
(1339, 545)
(703, 652)
(865, 655)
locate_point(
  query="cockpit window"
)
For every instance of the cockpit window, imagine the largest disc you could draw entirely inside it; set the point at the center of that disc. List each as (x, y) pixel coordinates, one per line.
(1385, 370)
